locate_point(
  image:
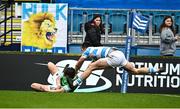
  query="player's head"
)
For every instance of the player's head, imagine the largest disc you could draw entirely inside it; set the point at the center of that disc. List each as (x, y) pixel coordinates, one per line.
(70, 72)
(85, 45)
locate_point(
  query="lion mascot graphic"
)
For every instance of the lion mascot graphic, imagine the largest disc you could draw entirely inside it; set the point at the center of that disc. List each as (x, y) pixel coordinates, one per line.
(39, 31)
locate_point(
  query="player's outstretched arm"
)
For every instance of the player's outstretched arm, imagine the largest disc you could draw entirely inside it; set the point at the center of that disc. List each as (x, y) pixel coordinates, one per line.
(39, 87)
(61, 90)
(79, 63)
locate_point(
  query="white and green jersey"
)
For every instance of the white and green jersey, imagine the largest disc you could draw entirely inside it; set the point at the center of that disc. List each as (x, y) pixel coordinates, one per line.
(64, 83)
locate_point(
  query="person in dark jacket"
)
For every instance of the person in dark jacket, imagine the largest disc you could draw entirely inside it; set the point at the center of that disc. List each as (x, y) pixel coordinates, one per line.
(93, 30)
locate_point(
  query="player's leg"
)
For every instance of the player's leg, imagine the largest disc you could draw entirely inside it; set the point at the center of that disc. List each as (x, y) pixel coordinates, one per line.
(130, 68)
(99, 64)
(117, 58)
(55, 73)
(143, 70)
(52, 68)
(40, 87)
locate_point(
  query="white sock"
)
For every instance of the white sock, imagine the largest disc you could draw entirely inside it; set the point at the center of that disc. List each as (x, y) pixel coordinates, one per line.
(78, 81)
(152, 70)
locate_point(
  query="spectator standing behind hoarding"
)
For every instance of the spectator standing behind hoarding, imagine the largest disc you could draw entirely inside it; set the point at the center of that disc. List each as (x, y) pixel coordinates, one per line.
(168, 38)
(93, 30)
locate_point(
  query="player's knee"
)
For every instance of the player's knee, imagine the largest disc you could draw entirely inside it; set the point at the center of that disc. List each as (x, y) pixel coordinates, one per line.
(50, 64)
(52, 67)
(33, 85)
(92, 66)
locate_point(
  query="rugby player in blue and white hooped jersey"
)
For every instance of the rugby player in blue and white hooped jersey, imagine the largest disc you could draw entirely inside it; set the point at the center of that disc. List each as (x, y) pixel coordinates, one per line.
(104, 57)
(96, 52)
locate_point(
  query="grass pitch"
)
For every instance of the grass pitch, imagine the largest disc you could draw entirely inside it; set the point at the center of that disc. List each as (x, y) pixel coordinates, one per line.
(31, 99)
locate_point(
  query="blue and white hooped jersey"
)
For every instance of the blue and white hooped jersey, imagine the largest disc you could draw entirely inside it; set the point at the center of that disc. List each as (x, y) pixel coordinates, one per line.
(96, 52)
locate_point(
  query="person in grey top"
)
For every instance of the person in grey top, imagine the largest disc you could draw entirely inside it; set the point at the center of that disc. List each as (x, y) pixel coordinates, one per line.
(168, 38)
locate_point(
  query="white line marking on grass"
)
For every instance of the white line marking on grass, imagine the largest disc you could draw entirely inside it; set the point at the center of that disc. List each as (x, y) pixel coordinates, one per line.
(168, 95)
(171, 95)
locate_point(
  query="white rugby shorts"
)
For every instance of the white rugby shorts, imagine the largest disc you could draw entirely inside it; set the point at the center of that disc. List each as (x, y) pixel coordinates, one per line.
(116, 59)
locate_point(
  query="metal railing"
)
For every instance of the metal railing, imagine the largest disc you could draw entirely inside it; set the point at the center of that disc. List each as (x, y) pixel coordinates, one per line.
(3, 22)
(78, 17)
